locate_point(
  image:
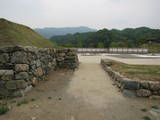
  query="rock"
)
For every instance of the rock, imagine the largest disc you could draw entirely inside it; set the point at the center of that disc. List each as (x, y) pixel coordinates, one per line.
(38, 72)
(21, 84)
(155, 86)
(22, 76)
(11, 85)
(130, 85)
(59, 59)
(21, 67)
(144, 85)
(38, 63)
(34, 81)
(4, 57)
(6, 74)
(143, 93)
(129, 93)
(19, 57)
(33, 118)
(155, 97)
(4, 93)
(62, 54)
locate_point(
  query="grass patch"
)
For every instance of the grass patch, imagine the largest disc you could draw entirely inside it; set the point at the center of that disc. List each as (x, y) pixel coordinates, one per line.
(32, 100)
(3, 109)
(137, 72)
(146, 118)
(144, 109)
(24, 101)
(154, 107)
(49, 98)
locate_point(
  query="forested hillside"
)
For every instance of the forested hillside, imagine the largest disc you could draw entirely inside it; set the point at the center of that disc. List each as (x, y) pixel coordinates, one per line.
(129, 37)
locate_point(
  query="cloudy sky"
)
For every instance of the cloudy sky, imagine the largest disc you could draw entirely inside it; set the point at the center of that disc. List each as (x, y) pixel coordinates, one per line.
(92, 13)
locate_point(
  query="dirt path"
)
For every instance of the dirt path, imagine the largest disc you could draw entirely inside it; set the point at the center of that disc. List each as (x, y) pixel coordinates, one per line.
(86, 94)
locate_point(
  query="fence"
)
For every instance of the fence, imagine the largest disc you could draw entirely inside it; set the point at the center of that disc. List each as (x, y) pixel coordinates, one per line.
(113, 50)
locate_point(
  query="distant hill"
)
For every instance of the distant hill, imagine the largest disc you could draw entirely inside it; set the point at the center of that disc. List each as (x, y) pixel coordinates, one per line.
(16, 34)
(51, 31)
(130, 37)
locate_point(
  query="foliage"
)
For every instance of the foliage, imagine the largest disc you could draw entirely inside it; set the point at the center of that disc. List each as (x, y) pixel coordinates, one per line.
(24, 101)
(3, 109)
(137, 37)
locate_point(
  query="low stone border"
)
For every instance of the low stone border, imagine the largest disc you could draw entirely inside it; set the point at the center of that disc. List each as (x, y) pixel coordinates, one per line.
(132, 88)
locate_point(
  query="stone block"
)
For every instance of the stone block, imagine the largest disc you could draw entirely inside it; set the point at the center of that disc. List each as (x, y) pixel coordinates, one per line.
(155, 86)
(144, 93)
(129, 93)
(38, 72)
(144, 85)
(130, 85)
(22, 76)
(11, 85)
(21, 84)
(4, 57)
(21, 67)
(6, 74)
(19, 57)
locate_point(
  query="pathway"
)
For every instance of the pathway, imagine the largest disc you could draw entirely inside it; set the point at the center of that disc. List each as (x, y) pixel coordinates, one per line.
(88, 94)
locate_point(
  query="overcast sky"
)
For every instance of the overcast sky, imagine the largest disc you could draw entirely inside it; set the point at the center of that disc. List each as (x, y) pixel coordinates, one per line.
(92, 13)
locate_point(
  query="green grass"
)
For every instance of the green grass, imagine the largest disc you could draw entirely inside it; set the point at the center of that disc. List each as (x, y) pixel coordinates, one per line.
(16, 34)
(144, 109)
(146, 118)
(3, 109)
(24, 101)
(155, 107)
(138, 72)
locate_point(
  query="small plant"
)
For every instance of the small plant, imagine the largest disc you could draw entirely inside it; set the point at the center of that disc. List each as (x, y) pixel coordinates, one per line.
(155, 107)
(144, 109)
(24, 101)
(49, 97)
(32, 99)
(146, 118)
(3, 109)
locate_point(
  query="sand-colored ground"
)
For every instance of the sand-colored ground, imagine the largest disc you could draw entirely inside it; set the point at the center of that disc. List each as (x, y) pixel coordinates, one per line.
(86, 94)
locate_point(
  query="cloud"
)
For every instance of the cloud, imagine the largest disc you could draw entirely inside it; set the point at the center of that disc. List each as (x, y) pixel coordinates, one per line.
(93, 13)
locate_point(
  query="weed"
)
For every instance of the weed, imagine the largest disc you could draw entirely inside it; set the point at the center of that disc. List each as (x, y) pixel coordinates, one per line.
(155, 107)
(24, 101)
(146, 118)
(3, 109)
(144, 109)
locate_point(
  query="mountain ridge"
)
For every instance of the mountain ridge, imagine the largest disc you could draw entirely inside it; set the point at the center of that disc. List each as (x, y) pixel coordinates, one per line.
(48, 32)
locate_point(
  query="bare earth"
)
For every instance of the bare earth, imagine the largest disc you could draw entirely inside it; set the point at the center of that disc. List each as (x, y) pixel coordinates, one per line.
(86, 94)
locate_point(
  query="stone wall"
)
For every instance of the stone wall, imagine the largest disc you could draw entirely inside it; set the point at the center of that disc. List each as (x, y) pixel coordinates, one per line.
(132, 88)
(22, 67)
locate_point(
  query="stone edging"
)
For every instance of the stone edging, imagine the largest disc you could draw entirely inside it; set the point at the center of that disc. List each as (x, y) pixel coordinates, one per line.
(132, 88)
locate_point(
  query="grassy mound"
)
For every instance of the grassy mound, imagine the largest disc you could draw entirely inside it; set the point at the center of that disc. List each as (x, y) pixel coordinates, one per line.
(16, 34)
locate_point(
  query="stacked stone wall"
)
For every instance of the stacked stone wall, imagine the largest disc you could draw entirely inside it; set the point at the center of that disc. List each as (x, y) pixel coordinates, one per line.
(132, 88)
(21, 67)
